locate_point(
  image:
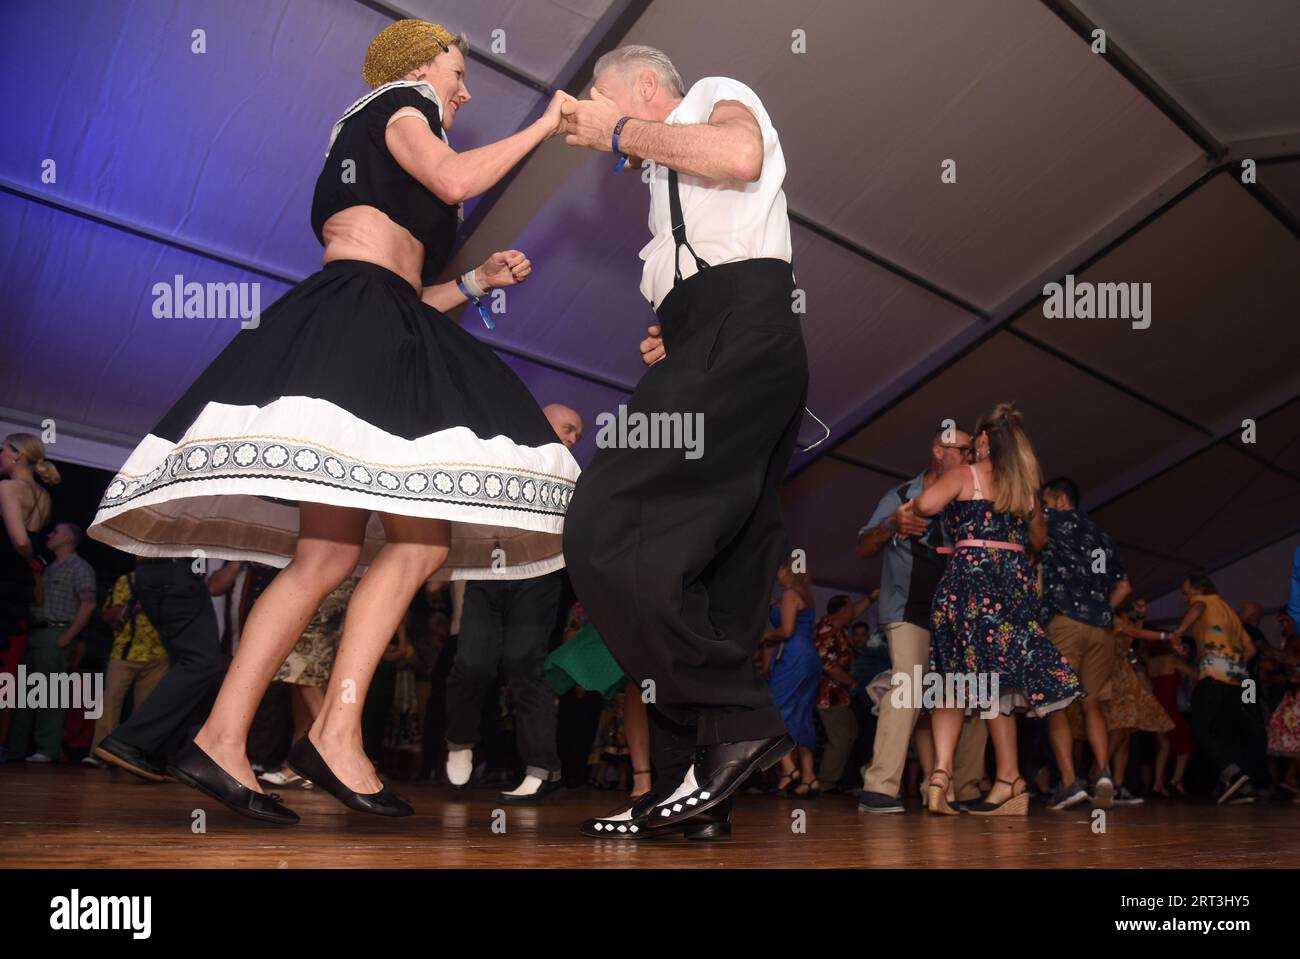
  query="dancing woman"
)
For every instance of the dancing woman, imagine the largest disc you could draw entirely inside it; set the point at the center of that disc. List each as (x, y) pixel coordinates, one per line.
(794, 672)
(1132, 707)
(356, 396)
(26, 508)
(985, 620)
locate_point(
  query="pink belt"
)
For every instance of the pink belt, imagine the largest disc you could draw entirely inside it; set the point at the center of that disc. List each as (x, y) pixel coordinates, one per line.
(990, 544)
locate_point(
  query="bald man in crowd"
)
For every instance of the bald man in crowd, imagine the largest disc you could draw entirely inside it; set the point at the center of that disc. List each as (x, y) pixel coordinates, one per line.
(508, 624)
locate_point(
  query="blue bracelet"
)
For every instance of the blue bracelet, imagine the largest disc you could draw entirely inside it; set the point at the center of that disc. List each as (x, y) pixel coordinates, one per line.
(482, 310)
(622, 157)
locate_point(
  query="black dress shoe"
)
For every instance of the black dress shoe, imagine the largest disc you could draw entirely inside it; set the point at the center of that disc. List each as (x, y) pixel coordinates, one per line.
(133, 760)
(718, 770)
(309, 764)
(631, 823)
(547, 787)
(196, 768)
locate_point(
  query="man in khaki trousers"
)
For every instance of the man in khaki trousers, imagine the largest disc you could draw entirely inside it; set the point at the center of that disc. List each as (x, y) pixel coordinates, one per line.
(915, 552)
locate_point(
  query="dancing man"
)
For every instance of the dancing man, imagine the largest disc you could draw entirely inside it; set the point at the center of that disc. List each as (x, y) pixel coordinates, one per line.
(507, 625)
(1083, 584)
(673, 555)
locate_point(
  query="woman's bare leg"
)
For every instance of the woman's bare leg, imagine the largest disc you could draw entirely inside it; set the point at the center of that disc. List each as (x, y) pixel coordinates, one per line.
(945, 727)
(923, 739)
(329, 545)
(1002, 730)
(1162, 762)
(415, 550)
(1180, 766)
(806, 770)
(636, 726)
(1119, 747)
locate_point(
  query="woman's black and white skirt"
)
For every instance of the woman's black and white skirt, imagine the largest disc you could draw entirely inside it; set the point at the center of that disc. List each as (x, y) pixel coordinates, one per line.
(351, 391)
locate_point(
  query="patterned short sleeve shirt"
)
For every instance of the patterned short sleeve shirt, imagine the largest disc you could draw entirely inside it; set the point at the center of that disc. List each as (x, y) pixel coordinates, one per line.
(1080, 567)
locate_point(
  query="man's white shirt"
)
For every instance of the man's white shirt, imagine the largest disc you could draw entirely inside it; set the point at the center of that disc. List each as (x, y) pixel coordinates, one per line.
(726, 221)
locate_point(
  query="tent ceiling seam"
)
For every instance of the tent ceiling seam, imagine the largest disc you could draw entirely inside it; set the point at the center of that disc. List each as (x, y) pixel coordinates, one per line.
(517, 74)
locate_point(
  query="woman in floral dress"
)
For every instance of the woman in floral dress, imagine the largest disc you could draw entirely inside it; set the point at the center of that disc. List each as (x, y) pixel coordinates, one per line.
(985, 622)
(1284, 724)
(307, 670)
(1132, 707)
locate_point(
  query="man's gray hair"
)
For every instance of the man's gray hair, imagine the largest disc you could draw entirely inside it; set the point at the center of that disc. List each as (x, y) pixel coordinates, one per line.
(638, 55)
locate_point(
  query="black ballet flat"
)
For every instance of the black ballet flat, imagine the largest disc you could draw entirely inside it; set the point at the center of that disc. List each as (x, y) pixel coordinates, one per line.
(719, 769)
(310, 765)
(196, 768)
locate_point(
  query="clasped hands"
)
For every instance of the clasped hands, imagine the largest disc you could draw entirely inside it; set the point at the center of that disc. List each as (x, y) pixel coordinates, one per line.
(590, 123)
(585, 123)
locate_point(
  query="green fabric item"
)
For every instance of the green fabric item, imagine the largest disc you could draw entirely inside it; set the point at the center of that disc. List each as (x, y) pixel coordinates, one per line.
(584, 661)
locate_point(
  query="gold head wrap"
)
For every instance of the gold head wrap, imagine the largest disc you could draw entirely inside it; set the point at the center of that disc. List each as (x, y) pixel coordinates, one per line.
(401, 47)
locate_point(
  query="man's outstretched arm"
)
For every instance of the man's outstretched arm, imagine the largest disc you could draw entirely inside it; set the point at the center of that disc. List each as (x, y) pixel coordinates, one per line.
(728, 147)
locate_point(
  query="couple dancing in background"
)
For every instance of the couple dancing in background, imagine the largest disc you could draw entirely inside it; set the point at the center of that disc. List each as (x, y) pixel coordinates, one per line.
(334, 438)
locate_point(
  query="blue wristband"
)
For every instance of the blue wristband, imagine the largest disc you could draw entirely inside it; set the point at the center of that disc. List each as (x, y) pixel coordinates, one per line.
(482, 310)
(622, 157)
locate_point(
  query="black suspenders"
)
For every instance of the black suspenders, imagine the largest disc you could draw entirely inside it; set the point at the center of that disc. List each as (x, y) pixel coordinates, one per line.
(679, 230)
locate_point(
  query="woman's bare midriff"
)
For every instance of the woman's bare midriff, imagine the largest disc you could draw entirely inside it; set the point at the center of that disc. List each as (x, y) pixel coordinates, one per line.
(365, 233)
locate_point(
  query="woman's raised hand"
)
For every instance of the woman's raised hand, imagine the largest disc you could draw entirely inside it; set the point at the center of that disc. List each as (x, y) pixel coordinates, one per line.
(552, 119)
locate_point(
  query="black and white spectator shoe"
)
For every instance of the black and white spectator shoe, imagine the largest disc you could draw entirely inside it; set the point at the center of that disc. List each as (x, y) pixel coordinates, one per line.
(717, 772)
(630, 823)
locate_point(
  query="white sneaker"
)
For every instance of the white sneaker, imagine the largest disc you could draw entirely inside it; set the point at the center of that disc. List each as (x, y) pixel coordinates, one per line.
(39, 758)
(460, 766)
(93, 760)
(281, 777)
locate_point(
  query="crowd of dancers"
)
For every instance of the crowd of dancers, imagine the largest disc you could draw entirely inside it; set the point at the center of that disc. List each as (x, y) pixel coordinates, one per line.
(1055, 622)
(323, 500)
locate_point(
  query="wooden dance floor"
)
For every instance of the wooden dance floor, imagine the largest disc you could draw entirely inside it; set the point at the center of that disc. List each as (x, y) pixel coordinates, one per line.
(72, 816)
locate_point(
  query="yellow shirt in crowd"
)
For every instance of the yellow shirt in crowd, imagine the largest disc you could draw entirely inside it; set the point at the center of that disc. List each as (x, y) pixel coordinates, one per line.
(147, 647)
(1220, 642)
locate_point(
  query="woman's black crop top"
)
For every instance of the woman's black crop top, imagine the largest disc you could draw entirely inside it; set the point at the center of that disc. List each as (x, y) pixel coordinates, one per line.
(359, 171)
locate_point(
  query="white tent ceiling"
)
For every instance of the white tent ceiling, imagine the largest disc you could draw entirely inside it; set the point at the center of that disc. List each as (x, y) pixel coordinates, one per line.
(923, 296)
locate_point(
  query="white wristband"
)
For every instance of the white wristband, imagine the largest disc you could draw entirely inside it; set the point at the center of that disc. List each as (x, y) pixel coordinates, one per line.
(471, 284)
